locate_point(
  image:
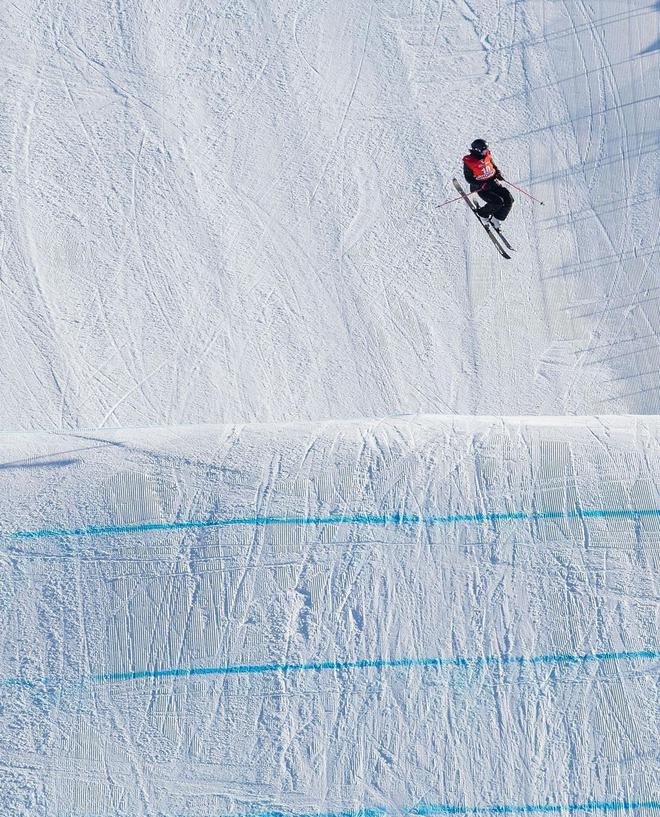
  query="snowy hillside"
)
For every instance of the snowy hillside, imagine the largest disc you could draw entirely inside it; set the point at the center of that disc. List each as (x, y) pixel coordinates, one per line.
(226, 212)
(259, 555)
(404, 617)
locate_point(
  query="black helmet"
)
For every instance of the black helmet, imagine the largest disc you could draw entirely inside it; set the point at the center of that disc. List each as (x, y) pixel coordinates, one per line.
(479, 146)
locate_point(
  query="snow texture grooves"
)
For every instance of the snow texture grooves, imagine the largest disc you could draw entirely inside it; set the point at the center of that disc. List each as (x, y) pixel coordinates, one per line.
(589, 806)
(446, 808)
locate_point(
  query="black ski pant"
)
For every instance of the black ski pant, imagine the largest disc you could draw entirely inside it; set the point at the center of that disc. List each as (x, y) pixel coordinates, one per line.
(498, 200)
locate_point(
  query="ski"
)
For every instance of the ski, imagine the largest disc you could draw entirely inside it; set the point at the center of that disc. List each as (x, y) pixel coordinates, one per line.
(491, 234)
(503, 239)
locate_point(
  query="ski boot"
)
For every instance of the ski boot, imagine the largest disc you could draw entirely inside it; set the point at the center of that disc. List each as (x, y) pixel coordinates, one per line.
(485, 220)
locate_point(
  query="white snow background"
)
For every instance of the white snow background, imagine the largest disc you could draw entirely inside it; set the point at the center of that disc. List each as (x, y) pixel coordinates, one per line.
(227, 588)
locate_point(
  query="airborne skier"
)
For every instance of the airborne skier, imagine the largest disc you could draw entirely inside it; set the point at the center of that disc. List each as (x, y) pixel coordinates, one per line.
(482, 174)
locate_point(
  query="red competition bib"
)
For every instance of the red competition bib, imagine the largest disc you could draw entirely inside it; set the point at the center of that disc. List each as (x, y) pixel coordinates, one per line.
(483, 169)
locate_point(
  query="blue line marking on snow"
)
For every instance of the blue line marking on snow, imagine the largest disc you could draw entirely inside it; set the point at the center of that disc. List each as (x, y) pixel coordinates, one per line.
(591, 805)
(356, 519)
(378, 663)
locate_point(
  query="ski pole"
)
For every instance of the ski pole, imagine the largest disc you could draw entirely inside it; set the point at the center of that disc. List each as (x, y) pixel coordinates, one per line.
(453, 200)
(529, 195)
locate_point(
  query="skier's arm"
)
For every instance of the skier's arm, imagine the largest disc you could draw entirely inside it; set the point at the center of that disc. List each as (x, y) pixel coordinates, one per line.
(498, 172)
(469, 175)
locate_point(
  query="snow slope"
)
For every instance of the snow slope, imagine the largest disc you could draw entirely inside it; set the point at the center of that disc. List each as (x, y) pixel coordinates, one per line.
(225, 589)
(226, 212)
(384, 616)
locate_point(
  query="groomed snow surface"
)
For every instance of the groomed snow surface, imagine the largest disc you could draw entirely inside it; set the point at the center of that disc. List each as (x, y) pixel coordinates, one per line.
(227, 588)
(227, 211)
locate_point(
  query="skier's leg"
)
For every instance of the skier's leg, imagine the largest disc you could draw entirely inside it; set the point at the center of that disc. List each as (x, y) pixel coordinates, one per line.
(480, 208)
(492, 200)
(505, 202)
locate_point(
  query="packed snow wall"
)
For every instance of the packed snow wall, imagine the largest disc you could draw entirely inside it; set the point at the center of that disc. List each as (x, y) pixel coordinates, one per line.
(411, 616)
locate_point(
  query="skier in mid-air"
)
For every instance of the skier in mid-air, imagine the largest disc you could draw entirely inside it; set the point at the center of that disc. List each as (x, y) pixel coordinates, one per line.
(482, 174)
